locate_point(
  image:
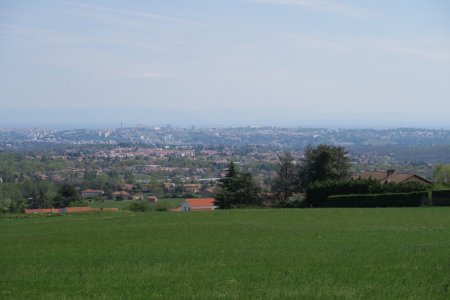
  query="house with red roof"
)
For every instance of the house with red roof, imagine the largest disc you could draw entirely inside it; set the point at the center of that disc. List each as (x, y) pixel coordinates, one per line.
(197, 204)
(121, 195)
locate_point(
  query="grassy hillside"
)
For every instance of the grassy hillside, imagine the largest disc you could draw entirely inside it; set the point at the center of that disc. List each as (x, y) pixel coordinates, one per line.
(312, 253)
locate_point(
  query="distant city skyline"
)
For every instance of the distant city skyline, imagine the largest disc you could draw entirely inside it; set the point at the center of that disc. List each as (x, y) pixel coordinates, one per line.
(343, 63)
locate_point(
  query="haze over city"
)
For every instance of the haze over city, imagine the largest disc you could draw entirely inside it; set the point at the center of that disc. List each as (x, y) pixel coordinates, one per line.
(225, 63)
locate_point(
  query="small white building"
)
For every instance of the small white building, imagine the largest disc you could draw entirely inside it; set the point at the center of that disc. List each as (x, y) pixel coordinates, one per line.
(194, 204)
(152, 199)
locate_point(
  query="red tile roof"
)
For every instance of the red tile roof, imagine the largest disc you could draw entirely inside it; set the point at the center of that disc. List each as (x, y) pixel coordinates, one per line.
(196, 202)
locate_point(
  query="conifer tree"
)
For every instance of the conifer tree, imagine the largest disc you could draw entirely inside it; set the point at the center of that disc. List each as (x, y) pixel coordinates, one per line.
(224, 197)
(236, 189)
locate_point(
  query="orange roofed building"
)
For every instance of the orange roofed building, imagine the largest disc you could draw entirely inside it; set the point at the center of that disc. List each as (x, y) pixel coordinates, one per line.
(194, 204)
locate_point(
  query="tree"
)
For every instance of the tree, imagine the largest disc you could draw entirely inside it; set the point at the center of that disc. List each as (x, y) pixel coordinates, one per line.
(286, 180)
(39, 193)
(441, 173)
(236, 189)
(66, 195)
(226, 186)
(325, 162)
(246, 190)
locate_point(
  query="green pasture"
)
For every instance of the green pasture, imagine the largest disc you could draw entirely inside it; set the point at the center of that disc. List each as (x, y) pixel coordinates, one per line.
(391, 253)
(122, 204)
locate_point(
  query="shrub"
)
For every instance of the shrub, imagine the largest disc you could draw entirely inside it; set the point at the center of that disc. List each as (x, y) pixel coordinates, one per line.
(296, 200)
(318, 192)
(163, 206)
(440, 198)
(5, 205)
(79, 203)
(9, 205)
(438, 186)
(377, 200)
(408, 187)
(139, 206)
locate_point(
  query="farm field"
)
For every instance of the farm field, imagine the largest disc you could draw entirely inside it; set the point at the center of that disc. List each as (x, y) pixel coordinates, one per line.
(387, 253)
(174, 202)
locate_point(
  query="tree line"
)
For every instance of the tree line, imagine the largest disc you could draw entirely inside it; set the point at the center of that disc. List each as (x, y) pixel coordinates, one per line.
(323, 171)
(324, 162)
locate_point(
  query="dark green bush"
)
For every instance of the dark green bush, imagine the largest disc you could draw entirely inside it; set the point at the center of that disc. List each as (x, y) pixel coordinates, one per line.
(441, 198)
(318, 192)
(139, 206)
(79, 203)
(163, 206)
(377, 200)
(296, 201)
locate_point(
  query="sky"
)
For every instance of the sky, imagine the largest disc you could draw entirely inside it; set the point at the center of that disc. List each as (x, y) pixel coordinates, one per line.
(309, 63)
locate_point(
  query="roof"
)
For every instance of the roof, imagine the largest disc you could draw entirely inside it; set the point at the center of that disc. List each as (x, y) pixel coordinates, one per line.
(120, 193)
(92, 191)
(392, 177)
(378, 175)
(402, 177)
(200, 202)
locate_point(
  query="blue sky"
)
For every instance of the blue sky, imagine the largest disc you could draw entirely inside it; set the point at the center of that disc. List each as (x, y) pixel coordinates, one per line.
(225, 63)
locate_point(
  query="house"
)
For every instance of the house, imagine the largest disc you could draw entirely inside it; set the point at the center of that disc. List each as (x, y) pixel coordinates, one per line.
(198, 204)
(392, 176)
(169, 187)
(138, 197)
(91, 193)
(152, 199)
(127, 187)
(193, 188)
(122, 195)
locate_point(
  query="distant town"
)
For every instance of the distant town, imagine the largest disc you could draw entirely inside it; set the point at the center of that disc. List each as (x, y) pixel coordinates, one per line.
(270, 137)
(168, 161)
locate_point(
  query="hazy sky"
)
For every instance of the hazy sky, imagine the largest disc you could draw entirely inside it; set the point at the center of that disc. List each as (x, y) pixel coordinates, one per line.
(225, 62)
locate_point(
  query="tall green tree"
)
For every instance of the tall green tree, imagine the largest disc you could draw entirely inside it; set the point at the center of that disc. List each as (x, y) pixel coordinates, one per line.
(286, 180)
(39, 193)
(247, 191)
(226, 186)
(237, 188)
(66, 194)
(441, 173)
(325, 162)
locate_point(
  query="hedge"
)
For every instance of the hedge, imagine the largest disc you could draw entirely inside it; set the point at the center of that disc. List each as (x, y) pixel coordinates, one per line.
(377, 200)
(317, 192)
(441, 198)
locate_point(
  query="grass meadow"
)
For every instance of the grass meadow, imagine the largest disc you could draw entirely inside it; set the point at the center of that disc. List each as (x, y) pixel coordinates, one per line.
(122, 204)
(391, 253)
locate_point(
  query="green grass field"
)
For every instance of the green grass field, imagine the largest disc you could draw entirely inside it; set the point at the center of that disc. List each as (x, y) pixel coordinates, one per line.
(122, 204)
(392, 253)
